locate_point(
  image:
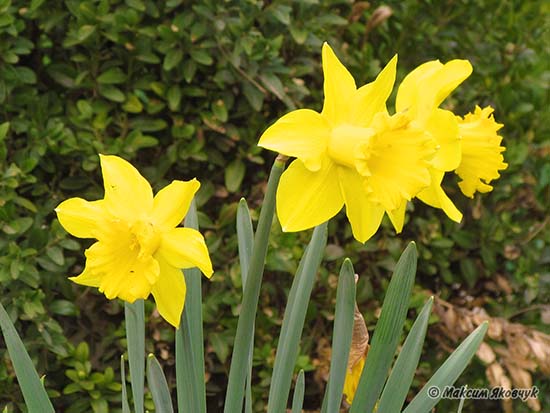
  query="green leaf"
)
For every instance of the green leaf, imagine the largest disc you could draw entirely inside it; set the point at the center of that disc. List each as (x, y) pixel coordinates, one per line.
(82, 34)
(447, 374)
(4, 127)
(112, 93)
(32, 388)
(201, 57)
(245, 239)
(173, 96)
(158, 386)
(402, 374)
(135, 335)
(254, 96)
(172, 59)
(190, 384)
(298, 398)
(56, 255)
(342, 335)
(133, 104)
(244, 335)
(387, 332)
(234, 174)
(112, 76)
(125, 405)
(219, 110)
(293, 321)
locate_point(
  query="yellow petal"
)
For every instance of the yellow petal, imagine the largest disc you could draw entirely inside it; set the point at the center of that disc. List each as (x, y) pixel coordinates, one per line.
(82, 218)
(371, 98)
(169, 292)
(121, 273)
(428, 85)
(88, 277)
(397, 217)
(339, 87)
(395, 161)
(172, 202)
(352, 380)
(436, 197)
(185, 248)
(306, 199)
(481, 152)
(364, 215)
(443, 127)
(128, 195)
(302, 133)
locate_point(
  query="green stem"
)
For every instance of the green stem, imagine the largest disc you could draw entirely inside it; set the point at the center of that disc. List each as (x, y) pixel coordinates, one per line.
(245, 326)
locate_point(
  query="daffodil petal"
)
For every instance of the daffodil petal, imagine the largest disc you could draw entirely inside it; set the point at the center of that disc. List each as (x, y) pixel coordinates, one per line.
(339, 88)
(370, 99)
(408, 93)
(81, 218)
(301, 133)
(352, 380)
(172, 202)
(443, 126)
(88, 277)
(397, 217)
(364, 215)
(185, 248)
(306, 199)
(169, 293)
(428, 85)
(481, 152)
(437, 198)
(128, 195)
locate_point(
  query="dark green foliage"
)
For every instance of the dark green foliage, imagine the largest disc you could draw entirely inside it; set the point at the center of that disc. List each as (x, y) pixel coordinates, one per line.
(184, 89)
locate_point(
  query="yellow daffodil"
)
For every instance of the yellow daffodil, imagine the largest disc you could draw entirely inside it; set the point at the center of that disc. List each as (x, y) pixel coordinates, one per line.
(481, 151)
(419, 95)
(353, 153)
(352, 380)
(139, 249)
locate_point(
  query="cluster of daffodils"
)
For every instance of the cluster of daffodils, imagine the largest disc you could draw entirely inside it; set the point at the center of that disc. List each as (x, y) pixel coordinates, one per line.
(354, 153)
(140, 249)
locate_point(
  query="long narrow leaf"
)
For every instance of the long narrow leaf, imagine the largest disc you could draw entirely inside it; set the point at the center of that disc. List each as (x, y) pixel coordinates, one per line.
(447, 374)
(298, 398)
(125, 405)
(245, 326)
(387, 333)
(293, 322)
(342, 335)
(32, 388)
(190, 385)
(158, 386)
(245, 239)
(135, 336)
(402, 374)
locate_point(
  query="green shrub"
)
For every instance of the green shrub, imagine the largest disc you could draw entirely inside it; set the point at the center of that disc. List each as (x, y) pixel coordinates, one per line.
(183, 89)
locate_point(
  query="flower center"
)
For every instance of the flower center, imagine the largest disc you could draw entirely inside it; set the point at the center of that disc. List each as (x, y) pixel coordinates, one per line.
(344, 142)
(145, 238)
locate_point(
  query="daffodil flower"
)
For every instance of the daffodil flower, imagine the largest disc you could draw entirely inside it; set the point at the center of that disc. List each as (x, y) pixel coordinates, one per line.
(139, 249)
(481, 151)
(353, 153)
(419, 95)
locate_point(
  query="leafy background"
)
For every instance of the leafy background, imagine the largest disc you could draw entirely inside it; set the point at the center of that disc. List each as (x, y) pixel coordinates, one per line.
(183, 89)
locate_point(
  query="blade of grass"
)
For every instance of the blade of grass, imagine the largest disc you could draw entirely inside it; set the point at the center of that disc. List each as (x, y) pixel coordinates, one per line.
(387, 333)
(293, 322)
(298, 398)
(402, 374)
(36, 398)
(190, 387)
(135, 336)
(125, 405)
(447, 374)
(245, 325)
(341, 337)
(245, 239)
(158, 386)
